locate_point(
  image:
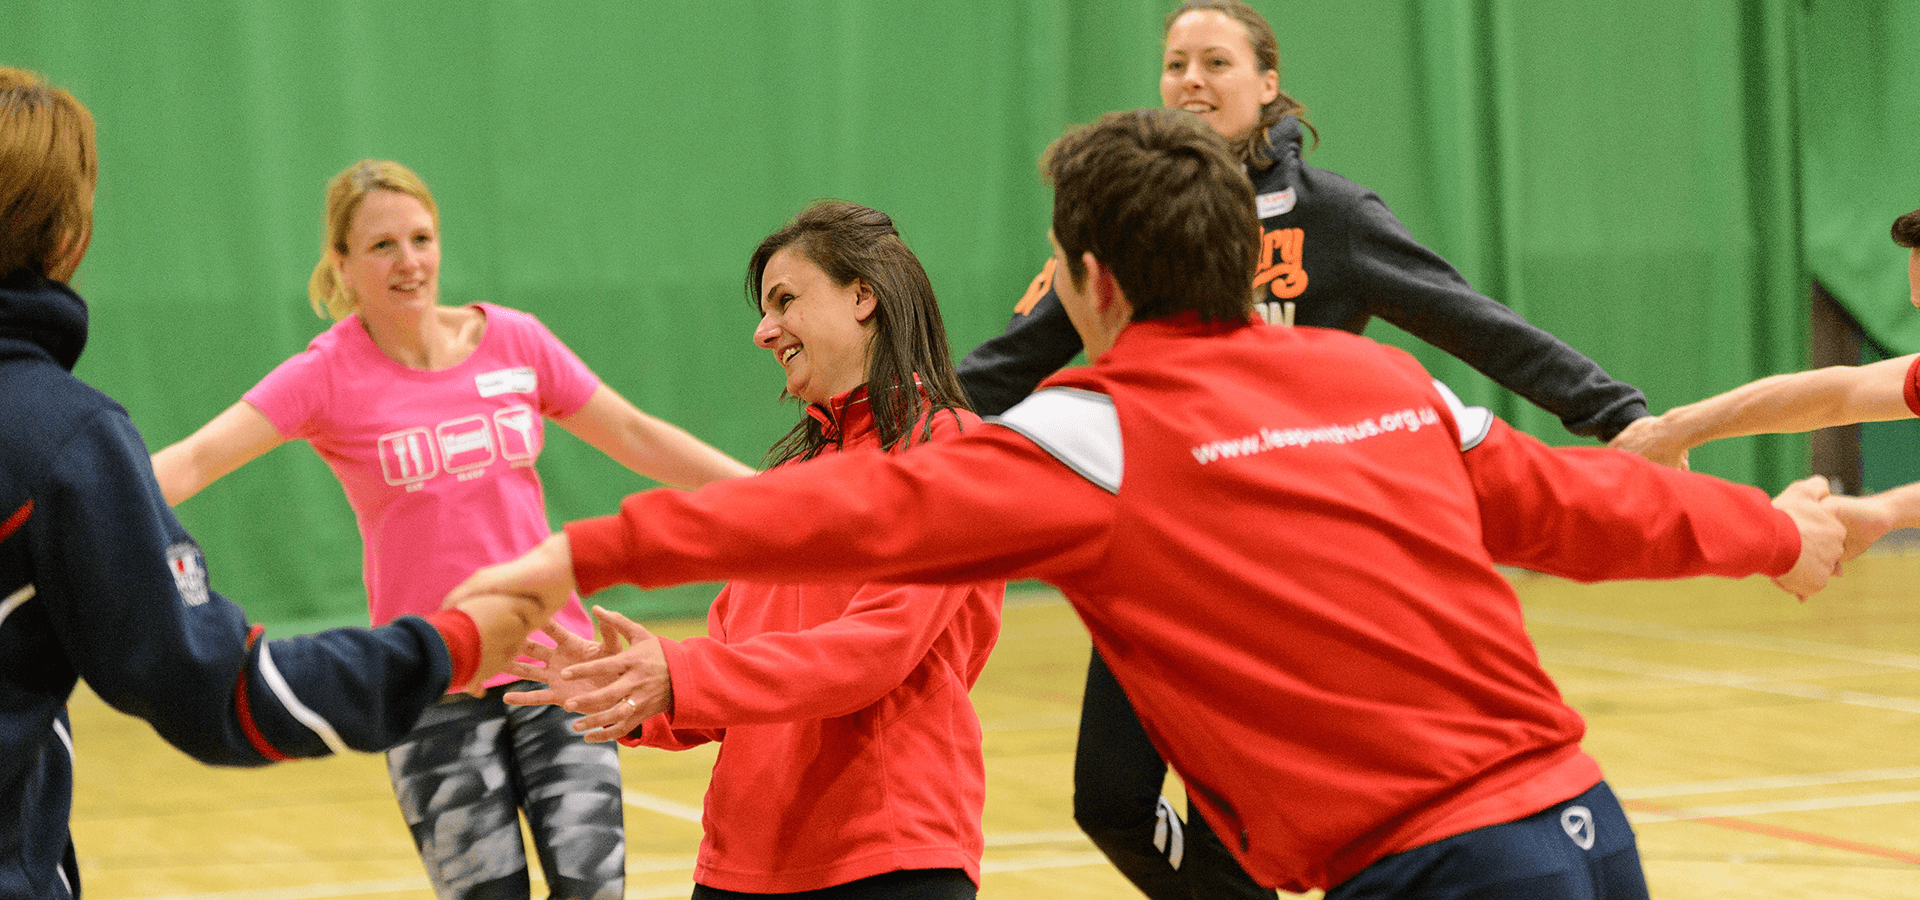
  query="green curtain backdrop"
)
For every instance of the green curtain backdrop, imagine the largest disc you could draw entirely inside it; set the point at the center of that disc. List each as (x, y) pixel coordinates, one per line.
(1638, 177)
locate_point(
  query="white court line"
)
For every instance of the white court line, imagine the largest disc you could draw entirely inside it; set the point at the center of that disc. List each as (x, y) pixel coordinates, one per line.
(1760, 683)
(662, 806)
(1590, 622)
(658, 892)
(1740, 810)
(338, 889)
(1024, 838)
(1037, 722)
(1056, 861)
(1766, 783)
(670, 864)
(687, 813)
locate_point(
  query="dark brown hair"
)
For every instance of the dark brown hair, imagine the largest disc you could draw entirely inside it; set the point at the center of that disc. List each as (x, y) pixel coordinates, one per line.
(849, 241)
(49, 167)
(1156, 196)
(1906, 230)
(1253, 148)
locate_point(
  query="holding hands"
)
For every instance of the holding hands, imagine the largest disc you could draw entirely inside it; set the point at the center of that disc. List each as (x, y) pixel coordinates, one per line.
(1651, 437)
(508, 601)
(1823, 537)
(616, 689)
(1869, 518)
(1835, 528)
(503, 620)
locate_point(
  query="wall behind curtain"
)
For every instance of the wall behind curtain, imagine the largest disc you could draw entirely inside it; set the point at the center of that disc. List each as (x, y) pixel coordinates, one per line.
(1623, 174)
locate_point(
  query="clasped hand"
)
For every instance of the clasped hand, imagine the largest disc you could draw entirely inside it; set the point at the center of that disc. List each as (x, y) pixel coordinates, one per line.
(615, 689)
(1833, 529)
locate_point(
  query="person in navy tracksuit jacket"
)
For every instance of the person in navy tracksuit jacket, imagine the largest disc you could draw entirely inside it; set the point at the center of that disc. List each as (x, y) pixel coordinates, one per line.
(99, 581)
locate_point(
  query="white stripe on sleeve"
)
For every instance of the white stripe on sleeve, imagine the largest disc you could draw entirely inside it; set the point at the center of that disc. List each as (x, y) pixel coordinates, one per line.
(313, 720)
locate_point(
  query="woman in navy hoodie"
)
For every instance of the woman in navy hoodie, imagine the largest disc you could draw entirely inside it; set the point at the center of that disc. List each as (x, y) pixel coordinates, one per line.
(99, 581)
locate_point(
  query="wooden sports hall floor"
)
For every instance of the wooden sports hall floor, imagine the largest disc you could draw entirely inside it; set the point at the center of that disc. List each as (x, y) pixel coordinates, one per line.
(1767, 749)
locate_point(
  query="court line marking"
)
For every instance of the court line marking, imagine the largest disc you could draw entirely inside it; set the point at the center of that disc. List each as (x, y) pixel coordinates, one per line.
(1766, 783)
(1718, 678)
(1053, 861)
(1808, 804)
(353, 888)
(661, 805)
(303, 892)
(1723, 816)
(1025, 838)
(677, 810)
(1590, 622)
(1035, 722)
(1776, 831)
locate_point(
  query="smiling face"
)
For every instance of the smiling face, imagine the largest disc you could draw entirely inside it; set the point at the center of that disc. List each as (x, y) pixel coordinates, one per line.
(392, 260)
(1209, 68)
(818, 331)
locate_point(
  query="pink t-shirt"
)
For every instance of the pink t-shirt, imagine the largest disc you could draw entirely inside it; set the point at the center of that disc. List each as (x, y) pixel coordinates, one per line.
(437, 465)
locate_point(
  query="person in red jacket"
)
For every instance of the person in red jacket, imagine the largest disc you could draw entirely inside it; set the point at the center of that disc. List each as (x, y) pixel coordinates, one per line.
(1349, 694)
(837, 778)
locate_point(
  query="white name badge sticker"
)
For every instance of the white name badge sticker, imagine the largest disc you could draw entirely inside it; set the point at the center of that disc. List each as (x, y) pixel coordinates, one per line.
(1274, 204)
(506, 381)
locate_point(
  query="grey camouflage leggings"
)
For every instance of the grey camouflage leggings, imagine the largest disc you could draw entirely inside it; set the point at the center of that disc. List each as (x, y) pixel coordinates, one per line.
(472, 763)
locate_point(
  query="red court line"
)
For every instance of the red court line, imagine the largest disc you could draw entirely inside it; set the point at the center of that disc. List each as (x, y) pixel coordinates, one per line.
(1789, 834)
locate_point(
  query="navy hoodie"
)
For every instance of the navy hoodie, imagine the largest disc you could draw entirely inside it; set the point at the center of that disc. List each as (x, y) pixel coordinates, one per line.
(1333, 256)
(99, 581)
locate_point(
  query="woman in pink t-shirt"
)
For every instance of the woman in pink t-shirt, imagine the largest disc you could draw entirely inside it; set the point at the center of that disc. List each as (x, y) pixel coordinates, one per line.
(432, 418)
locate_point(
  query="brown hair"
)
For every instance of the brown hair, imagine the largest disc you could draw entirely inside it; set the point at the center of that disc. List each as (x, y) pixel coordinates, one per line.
(329, 297)
(849, 241)
(1906, 230)
(1156, 196)
(49, 168)
(1254, 148)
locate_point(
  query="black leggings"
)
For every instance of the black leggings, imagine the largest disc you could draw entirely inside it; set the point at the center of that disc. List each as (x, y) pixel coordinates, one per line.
(1117, 775)
(910, 884)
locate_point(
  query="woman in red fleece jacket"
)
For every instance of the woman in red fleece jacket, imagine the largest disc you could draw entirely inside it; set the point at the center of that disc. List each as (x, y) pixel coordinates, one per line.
(850, 762)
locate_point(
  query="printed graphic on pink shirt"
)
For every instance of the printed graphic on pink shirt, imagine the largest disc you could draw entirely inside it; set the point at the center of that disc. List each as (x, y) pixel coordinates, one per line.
(466, 444)
(519, 442)
(462, 447)
(406, 457)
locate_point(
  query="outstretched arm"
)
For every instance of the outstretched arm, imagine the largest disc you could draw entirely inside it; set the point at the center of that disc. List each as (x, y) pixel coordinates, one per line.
(1779, 404)
(1869, 518)
(649, 445)
(1412, 287)
(950, 512)
(234, 438)
(1592, 515)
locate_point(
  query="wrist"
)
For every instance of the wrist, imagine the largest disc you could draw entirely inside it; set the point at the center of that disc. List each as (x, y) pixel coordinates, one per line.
(462, 637)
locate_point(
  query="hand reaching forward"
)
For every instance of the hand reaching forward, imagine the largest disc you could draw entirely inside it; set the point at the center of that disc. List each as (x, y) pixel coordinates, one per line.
(508, 601)
(1648, 436)
(504, 621)
(616, 690)
(1823, 539)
